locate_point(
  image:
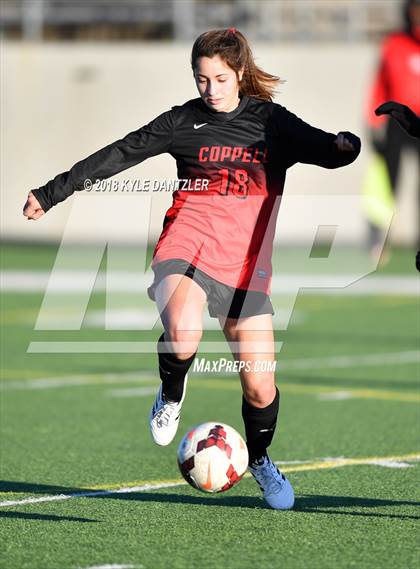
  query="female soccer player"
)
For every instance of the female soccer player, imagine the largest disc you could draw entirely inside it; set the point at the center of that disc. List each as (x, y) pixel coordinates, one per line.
(216, 242)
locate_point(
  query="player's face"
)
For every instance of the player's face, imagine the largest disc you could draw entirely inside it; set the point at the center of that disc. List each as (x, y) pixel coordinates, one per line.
(217, 83)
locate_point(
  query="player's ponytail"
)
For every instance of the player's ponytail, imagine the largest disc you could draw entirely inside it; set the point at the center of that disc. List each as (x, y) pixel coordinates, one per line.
(233, 48)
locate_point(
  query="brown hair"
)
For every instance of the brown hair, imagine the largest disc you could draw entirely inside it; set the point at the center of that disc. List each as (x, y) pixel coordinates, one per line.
(233, 48)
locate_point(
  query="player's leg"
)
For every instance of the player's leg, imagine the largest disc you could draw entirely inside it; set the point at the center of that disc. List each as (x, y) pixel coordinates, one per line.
(394, 143)
(252, 341)
(180, 302)
(412, 146)
(390, 150)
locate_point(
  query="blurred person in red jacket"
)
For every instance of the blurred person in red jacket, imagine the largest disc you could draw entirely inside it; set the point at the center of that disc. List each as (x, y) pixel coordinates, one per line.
(397, 78)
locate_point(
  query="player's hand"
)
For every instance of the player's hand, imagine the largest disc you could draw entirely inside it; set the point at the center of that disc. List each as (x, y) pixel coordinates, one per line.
(343, 143)
(403, 115)
(32, 208)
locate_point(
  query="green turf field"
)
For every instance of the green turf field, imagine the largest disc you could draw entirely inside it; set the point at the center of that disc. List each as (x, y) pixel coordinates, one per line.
(83, 486)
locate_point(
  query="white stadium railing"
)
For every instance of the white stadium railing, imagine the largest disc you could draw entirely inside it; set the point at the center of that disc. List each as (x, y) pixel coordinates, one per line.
(271, 20)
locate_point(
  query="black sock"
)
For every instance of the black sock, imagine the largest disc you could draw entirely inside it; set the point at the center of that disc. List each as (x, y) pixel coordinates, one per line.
(172, 371)
(260, 424)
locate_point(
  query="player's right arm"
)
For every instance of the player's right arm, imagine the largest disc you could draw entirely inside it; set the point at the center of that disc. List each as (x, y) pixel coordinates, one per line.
(150, 140)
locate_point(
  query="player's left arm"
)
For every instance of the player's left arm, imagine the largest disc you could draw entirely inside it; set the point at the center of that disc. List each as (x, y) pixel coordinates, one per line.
(302, 142)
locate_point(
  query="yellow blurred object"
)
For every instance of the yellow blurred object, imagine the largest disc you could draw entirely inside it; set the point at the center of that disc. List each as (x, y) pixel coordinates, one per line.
(378, 202)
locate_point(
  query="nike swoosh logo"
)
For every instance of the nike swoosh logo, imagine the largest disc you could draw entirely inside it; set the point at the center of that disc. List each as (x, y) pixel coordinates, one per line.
(199, 125)
(207, 485)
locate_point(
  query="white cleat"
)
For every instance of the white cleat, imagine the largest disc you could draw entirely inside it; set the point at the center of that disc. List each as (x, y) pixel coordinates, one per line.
(276, 489)
(164, 417)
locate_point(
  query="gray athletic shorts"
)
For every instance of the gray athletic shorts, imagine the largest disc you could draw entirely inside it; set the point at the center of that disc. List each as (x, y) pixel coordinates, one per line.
(221, 299)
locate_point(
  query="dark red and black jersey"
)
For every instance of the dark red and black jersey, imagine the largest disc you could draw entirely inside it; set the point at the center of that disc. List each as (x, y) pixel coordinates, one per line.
(226, 226)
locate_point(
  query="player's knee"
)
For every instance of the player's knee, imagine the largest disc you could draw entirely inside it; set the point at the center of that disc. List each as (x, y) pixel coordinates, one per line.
(260, 394)
(184, 343)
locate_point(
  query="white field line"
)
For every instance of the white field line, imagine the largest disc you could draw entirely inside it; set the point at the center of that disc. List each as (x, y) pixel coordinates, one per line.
(128, 347)
(93, 493)
(115, 566)
(132, 392)
(79, 380)
(391, 464)
(342, 461)
(336, 396)
(125, 281)
(129, 319)
(406, 357)
(331, 362)
(320, 464)
(132, 319)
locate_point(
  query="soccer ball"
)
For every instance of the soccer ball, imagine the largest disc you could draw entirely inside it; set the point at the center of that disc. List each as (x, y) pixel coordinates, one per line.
(212, 457)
